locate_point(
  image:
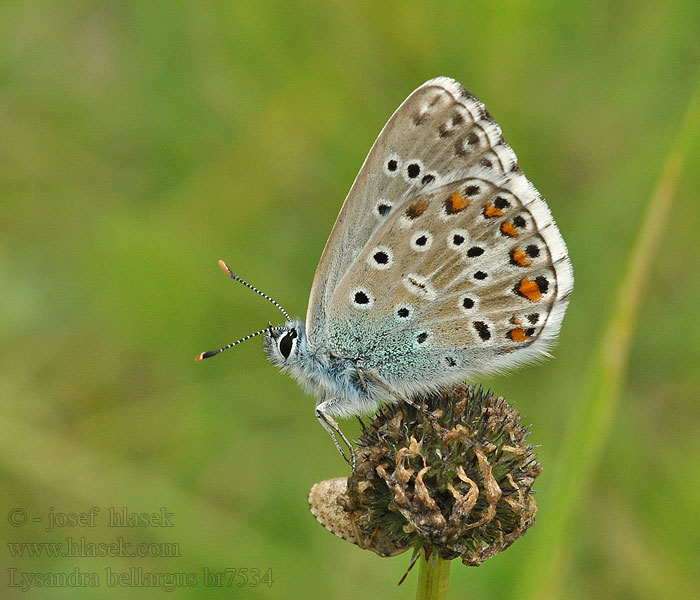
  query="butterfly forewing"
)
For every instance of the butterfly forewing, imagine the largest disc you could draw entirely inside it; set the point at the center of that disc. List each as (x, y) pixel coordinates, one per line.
(439, 131)
(444, 262)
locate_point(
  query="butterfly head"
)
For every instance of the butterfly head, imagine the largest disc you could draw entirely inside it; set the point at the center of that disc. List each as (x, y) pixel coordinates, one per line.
(283, 344)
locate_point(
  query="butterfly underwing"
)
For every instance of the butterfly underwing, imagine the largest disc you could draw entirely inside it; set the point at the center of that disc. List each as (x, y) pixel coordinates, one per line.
(444, 264)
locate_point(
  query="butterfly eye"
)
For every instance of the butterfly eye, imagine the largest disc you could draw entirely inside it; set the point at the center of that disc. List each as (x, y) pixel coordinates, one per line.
(286, 343)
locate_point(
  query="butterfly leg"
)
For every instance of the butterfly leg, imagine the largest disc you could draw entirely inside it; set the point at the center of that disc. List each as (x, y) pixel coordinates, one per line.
(331, 427)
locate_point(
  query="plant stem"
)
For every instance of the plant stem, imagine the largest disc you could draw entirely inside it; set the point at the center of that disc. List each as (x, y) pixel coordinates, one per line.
(433, 577)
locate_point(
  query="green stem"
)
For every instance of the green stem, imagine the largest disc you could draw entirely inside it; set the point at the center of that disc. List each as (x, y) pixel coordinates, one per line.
(433, 577)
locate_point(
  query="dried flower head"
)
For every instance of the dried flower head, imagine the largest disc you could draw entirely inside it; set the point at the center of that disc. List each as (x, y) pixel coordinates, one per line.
(454, 477)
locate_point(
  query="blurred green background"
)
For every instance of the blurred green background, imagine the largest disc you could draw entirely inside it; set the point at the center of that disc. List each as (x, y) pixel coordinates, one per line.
(142, 141)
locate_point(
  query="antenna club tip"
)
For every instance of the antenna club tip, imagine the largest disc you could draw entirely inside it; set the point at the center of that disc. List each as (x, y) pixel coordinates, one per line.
(223, 266)
(200, 356)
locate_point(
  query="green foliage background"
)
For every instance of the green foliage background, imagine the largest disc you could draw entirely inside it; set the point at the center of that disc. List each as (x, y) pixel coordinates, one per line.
(142, 141)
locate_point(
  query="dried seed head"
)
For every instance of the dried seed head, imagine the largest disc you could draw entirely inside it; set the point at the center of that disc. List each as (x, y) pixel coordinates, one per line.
(454, 478)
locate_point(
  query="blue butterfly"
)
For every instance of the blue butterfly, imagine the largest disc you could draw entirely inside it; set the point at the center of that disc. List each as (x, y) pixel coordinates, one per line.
(443, 264)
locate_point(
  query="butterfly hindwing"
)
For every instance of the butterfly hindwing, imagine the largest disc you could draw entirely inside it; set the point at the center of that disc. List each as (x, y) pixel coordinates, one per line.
(456, 267)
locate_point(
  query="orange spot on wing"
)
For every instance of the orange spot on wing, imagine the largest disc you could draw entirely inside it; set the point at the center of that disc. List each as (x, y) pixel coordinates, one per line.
(456, 203)
(515, 321)
(509, 229)
(518, 335)
(491, 211)
(519, 257)
(529, 289)
(416, 210)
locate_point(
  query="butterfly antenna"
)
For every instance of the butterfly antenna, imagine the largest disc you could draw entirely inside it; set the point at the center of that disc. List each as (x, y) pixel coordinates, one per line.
(225, 269)
(211, 353)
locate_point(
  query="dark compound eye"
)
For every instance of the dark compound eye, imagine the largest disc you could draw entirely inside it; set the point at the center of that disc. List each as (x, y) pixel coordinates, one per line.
(286, 343)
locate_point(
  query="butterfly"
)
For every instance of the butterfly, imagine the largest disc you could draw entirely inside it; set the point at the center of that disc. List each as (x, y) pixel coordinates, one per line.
(444, 264)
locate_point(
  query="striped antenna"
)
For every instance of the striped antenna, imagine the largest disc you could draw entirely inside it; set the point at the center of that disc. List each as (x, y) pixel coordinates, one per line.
(211, 353)
(225, 269)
